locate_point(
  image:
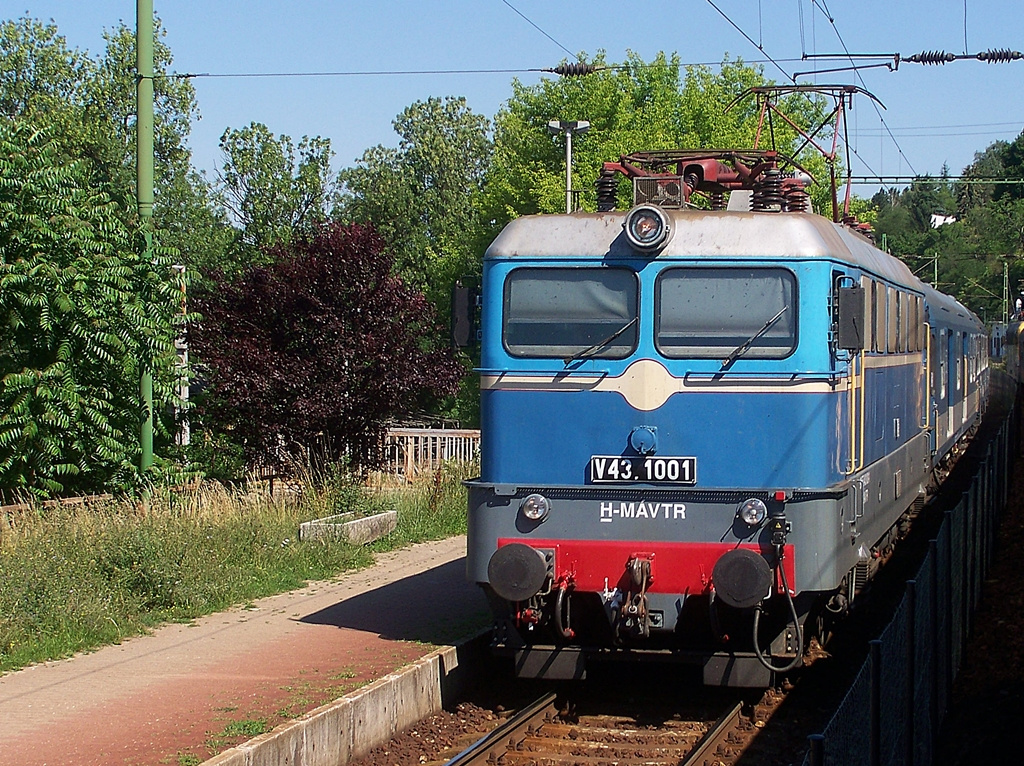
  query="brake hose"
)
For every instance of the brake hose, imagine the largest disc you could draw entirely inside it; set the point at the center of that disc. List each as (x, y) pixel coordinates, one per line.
(796, 625)
(564, 630)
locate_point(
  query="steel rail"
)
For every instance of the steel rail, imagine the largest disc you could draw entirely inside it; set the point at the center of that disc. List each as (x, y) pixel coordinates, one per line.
(497, 741)
(716, 736)
(507, 736)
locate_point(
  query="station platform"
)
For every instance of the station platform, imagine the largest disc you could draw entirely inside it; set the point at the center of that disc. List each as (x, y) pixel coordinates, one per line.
(187, 691)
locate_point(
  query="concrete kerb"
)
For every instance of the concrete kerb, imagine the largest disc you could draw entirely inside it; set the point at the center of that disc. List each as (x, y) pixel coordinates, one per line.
(350, 727)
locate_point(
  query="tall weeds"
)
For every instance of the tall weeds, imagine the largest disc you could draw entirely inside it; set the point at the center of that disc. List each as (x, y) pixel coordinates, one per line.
(73, 578)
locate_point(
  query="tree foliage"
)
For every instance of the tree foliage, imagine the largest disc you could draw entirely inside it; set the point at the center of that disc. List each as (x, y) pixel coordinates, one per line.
(272, 190)
(88, 107)
(636, 106)
(987, 234)
(423, 196)
(80, 305)
(315, 352)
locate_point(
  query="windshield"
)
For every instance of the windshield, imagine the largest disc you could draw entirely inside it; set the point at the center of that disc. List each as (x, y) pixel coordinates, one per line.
(558, 312)
(709, 313)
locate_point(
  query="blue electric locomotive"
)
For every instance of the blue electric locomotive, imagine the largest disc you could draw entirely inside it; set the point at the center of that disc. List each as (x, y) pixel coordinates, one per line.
(701, 427)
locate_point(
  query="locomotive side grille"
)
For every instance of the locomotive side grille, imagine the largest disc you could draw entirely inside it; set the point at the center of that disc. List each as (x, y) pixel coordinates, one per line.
(664, 191)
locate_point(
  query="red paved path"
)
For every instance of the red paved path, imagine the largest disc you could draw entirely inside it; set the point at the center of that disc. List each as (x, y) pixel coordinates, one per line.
(175, 695)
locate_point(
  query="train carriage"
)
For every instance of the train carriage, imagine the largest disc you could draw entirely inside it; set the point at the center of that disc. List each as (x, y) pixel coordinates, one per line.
(699, 427)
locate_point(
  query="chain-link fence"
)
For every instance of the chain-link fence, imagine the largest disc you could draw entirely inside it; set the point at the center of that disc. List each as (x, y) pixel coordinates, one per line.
(894, 707)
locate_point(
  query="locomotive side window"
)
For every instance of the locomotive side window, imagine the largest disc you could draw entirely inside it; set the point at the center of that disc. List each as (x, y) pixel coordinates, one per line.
(710, 313)
(905, 344)
(869, 325)
(880, 331)
(559, 312)
(892, 320)
(901, 322)
(915, 326)
(920, 324)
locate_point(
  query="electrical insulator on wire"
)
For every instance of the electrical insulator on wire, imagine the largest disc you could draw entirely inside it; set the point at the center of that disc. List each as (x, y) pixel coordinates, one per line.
(577, 69)
(991, 56)
(931, 57)
(999, 55)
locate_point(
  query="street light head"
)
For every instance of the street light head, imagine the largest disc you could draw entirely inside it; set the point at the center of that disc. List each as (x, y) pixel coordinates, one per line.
(568, 126)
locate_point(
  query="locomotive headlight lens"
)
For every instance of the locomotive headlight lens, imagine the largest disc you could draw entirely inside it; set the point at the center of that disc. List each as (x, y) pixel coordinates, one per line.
(647, 227)
(753, 512)
(535, 507)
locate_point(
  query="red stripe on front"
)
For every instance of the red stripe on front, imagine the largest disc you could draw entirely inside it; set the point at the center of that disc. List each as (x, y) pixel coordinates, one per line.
(684, 568)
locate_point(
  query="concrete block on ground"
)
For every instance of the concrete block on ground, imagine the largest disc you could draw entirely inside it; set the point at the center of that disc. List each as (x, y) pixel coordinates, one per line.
(417, 691)
(344, 526)
(231, 757)
(281, 746)
(374, 715)
(328, 734)
(350, 727)
(459, 666)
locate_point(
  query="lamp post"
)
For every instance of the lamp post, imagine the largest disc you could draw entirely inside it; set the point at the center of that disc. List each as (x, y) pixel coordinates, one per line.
(568, 127)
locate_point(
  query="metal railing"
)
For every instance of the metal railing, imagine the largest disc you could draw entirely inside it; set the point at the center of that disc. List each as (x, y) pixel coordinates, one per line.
(892, 711)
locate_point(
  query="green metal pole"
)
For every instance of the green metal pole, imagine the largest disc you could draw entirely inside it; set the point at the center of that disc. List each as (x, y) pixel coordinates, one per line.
(144, 191)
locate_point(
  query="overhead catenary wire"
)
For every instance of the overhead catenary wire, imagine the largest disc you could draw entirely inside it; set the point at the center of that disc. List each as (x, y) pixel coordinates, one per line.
(965, 27)
(823, 7)
(750, 40)
(872, 132)
(961, 179)
(532, 24)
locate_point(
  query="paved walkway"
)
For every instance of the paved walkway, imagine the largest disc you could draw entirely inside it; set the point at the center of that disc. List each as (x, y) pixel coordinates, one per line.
(187, 691)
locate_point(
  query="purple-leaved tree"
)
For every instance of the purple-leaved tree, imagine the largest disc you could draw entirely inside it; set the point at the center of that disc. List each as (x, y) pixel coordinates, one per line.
(316, 353)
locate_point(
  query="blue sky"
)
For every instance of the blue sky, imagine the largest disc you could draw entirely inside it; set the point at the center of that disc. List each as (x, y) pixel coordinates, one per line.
(938, 114)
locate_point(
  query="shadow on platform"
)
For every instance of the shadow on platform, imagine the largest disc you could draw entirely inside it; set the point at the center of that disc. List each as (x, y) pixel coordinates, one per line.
(436, 606)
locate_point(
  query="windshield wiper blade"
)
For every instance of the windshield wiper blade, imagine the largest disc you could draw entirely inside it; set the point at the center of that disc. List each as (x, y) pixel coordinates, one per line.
(741, 349)
(588, 352)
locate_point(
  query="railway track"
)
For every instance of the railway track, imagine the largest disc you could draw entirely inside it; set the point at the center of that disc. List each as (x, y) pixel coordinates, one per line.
(552, 732)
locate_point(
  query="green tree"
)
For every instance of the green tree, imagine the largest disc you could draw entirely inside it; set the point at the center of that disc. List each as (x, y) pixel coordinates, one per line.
(636, 106)
(272, 189)
(987, 164)
(184, 215)
(423, 196)
(88, 107)
(80, 304)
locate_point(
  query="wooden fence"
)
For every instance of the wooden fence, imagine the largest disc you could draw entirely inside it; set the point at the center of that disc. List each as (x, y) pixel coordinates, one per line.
(410, 452)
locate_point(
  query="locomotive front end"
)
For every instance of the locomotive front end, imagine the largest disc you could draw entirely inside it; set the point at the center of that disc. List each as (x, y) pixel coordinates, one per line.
(658, 431)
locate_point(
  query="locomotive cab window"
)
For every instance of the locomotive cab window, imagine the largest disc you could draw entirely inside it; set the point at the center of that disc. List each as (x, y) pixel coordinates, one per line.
(559, 312)
(716, 312)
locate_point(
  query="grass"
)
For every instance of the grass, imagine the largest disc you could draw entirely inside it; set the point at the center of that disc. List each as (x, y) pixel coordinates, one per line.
(75, 578)
(235, 731)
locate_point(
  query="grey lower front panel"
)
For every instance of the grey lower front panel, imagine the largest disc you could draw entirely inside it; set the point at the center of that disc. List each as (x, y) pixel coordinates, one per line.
(831, 529)
(648, 518)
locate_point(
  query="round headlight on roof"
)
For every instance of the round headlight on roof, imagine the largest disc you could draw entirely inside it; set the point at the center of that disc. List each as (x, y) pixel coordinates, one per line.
(647, 227)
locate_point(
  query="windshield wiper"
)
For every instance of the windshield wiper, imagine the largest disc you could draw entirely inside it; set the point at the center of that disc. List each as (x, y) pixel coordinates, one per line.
(588, 352)
(744, 347)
